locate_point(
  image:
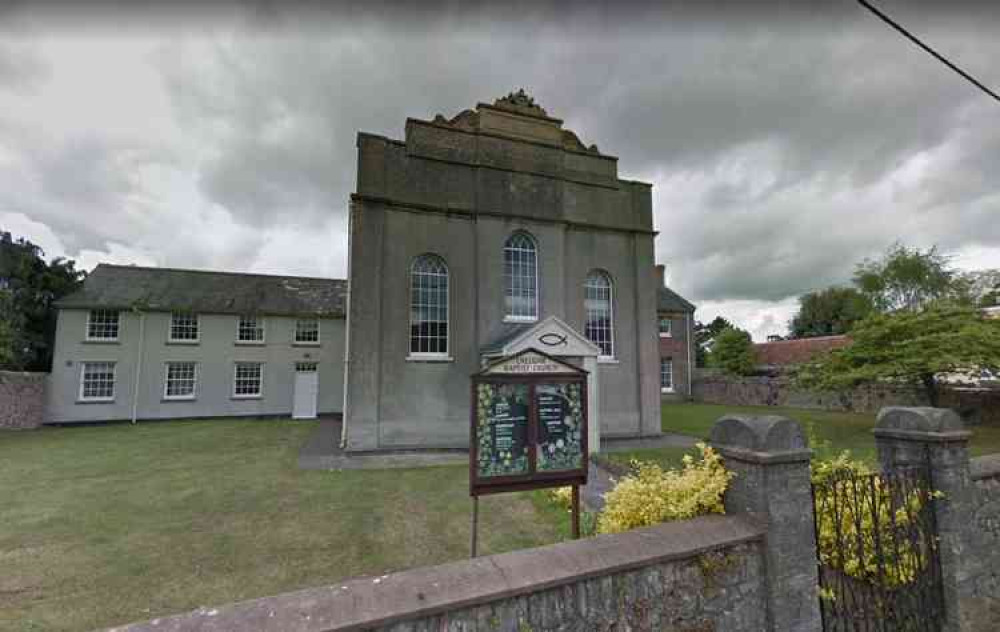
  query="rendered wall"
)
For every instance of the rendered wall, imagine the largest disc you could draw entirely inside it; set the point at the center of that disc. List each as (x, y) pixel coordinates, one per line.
(460, 196)
(215, 354)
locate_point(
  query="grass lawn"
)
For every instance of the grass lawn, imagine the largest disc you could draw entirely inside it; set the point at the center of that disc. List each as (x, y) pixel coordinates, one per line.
(829, 432)
(104, 525)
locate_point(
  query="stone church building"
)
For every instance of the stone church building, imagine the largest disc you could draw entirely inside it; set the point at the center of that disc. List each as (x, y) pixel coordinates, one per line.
(481, 235)
(473, 238)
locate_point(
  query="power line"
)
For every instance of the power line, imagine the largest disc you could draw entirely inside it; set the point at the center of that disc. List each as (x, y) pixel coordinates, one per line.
(913, 38)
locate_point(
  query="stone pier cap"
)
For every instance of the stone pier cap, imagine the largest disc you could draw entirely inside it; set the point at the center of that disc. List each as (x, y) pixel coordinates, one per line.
(760, 439)
(921, 423)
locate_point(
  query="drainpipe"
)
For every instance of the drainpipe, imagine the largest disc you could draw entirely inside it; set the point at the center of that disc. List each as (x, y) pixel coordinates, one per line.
(347, 332)
(138, 362)
(690, 365)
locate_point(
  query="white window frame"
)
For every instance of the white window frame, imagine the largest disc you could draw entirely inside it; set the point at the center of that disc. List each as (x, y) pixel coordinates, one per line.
(507, 316)
(308, 343)
(430, 356)
(114, 381)
(184, 341)
(118, 326)
(669, 333)
(667, 389)
(611, 312)
(260, 391)
(166, 381)
(260, 323)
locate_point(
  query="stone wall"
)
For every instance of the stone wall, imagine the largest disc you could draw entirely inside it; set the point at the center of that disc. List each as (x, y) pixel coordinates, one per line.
(22, 400)
(710, 387)
(701, 575)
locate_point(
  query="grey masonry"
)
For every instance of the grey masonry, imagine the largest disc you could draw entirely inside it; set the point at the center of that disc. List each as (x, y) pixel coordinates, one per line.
(522, 222)
(472, 238)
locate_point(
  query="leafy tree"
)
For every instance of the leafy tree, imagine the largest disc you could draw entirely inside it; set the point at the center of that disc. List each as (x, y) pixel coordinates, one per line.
(29, 286)
(704, 336)
(732, 352)
(829, 312)
(912, 347)
(907, 279)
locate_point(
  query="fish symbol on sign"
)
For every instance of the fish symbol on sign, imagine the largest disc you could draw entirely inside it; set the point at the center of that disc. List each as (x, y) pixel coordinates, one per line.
(552, 339)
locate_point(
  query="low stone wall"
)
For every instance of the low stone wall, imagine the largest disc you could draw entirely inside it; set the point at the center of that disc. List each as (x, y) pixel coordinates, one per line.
(985, 532)
(22, 400)
(701, 575)
(975, 405)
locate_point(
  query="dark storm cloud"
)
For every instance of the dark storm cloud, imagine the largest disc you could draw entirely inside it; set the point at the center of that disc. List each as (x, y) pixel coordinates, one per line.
(784, 144)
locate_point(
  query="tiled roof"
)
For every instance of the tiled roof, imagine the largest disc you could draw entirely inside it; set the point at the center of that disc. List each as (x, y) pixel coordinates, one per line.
(166, 289)
(787, 352)
(670, 301)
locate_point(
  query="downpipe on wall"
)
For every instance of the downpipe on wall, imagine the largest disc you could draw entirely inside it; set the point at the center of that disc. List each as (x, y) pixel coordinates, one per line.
(138, 362)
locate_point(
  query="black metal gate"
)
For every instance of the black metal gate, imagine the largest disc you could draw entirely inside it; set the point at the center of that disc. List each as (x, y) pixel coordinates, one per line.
(878, 552)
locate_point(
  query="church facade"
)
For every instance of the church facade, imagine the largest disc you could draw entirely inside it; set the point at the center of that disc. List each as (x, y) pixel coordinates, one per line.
(481, 235)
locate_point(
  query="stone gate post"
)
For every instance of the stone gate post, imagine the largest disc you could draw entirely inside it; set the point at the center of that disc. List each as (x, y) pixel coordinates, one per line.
(770, 456)
(936, 438)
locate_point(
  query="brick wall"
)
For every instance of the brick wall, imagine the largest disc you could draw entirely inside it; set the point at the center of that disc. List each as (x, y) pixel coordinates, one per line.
(22, 400)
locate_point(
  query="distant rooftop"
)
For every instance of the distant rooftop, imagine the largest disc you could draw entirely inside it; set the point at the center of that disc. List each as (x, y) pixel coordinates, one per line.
(797, 351)
(204, 291)
(669, 301)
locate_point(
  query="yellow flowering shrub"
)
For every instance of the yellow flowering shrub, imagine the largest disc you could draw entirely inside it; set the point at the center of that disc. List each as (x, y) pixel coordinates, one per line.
(652, 495)
(859, 523)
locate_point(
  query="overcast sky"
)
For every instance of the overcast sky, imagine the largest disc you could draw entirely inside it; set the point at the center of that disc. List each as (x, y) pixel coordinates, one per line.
(783, 148)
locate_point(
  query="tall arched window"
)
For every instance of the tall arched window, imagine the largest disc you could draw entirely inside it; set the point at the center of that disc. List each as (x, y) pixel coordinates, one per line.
(520, 271)
(600, 322)
(429, 306)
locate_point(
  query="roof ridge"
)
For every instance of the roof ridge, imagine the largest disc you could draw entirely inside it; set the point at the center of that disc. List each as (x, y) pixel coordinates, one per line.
(808, 338)
(226, 272)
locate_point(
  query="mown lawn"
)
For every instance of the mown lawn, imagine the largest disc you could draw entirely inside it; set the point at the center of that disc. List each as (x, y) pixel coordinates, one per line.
(829, 432)
(103, 525)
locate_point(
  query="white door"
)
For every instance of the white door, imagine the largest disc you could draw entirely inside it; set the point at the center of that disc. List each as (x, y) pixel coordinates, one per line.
(306, 391)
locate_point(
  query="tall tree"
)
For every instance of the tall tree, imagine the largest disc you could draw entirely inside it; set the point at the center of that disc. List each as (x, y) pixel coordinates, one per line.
(829, 312)
(907, 279)
(732, 352)
(704, 336)
(981, 286)
(29, 286)
(912, 347)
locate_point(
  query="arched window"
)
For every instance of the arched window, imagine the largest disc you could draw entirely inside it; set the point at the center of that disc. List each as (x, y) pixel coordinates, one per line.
(520, 271)
(429, 306)
(600, 321)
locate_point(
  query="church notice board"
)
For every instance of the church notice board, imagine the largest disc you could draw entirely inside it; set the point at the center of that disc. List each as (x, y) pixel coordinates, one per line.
(529, 425)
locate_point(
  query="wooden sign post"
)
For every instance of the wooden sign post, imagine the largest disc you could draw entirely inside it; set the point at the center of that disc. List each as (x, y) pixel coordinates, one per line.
(529, 429)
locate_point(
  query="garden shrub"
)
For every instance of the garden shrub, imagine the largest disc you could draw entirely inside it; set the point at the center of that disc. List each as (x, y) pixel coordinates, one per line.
(869, 525)
(652, 495)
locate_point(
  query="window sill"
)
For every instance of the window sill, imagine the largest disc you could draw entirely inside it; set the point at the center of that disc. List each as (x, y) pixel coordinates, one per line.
(244, 397)
(101, 341)
(102, 400)
(306, 344)
(607, 360)
(666, 390)
(429, 358)
(520, 319)
(184, 342)
(663, 335)
(249, 343)
(167, 400)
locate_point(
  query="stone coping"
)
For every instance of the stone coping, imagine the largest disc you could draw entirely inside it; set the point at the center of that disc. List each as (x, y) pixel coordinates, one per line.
(765, 458)
(922, 436)
(365, 603)
(987, 466)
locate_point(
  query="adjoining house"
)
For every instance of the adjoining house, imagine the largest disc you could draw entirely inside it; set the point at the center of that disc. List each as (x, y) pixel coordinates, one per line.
(475, 237)
(152, 343)
(675, 324)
